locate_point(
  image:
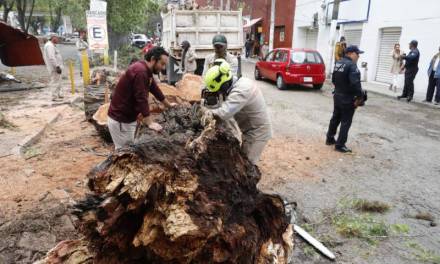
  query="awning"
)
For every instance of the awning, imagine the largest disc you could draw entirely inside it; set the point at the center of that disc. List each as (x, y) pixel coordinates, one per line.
(18, 48)
(252, 22)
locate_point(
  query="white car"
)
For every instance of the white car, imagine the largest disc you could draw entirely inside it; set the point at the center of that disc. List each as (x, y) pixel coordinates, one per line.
(139, 40)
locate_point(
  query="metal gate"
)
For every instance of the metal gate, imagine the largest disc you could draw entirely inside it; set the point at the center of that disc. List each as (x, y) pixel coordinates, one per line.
(311, 38)
(388, 37)
(353, 36)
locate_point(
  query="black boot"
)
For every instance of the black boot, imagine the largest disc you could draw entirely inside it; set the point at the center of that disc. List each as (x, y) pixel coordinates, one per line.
(342, 149)
(330, 141)
(409, 99)
(400, 97)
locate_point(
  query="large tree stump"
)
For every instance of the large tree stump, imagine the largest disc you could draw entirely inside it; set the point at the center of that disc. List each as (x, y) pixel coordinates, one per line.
(185, 195)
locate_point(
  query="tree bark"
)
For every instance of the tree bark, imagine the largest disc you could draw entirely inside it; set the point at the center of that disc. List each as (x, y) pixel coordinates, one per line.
(21, 12)
(30, 15)
(7, 7)
(116, 39)
(22, 6)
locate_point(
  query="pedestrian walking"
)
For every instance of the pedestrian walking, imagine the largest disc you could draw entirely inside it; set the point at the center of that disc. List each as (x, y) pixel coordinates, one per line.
(148, 45)
(248, 46)
(129, 105)
(347, 97)
(264, 50)
(256, 49)
(340, 49)
(396, 68)
(189, 63)
(54, 64)
(81, 45)
(434, 79)
(220, 44)
(411, 69)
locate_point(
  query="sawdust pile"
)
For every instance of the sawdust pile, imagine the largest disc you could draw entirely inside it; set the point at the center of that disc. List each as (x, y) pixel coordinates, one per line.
(185, 195)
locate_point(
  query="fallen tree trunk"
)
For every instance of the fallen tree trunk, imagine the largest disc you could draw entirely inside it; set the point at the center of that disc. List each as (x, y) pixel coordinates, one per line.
(185, 195)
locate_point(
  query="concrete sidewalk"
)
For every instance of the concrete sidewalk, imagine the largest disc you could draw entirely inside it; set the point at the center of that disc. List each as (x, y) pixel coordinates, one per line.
(378, 88)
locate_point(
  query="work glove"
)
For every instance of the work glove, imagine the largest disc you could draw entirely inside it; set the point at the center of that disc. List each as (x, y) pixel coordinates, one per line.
(58, 70)
(207, 117)
(155, 126)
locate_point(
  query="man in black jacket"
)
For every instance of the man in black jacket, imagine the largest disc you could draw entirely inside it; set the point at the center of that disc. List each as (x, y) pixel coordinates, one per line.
(347, 80)
(411, 69)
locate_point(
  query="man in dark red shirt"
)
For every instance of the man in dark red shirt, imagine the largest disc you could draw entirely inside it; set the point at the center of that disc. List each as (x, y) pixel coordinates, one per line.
(129, 104)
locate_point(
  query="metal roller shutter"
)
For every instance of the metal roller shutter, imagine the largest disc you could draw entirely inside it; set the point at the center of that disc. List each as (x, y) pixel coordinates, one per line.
(353, 36)
(311, 38)
(388, 37)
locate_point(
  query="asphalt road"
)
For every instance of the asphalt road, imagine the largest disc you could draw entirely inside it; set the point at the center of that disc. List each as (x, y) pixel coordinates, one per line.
(396, 160)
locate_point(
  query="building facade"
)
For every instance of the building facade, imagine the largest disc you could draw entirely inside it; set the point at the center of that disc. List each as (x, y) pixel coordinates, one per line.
(375, 26)
(257, 15)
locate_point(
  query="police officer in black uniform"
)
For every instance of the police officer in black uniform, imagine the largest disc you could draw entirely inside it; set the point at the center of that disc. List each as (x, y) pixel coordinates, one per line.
(347, 80)
(411, 69)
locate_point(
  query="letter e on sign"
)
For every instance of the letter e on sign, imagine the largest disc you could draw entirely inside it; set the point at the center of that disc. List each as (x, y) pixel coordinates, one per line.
(97, 33)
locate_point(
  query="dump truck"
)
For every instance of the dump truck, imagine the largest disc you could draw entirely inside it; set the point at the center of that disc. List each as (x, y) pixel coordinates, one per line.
(199, 27)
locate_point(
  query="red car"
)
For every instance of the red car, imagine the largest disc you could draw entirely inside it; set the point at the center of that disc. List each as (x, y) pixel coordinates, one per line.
(292, 66)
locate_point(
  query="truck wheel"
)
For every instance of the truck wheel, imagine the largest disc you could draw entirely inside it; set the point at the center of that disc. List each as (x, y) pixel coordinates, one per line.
(281, 85)
(257, 74)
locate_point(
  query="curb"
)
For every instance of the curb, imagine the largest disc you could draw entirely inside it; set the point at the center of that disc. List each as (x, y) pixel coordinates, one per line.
(432, 106)
(19, 150)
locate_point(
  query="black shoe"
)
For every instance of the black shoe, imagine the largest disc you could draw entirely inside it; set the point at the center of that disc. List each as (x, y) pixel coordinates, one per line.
(409, 99)
(342, 149)
(330, 141)
(426, 101)
(400, 97)
(437, 103)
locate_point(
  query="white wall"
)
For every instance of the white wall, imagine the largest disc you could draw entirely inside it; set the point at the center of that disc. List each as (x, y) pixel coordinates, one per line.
(304, 20)
(418, 20)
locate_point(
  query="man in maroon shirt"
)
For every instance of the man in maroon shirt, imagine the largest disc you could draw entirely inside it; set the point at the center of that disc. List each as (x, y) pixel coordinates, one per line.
(129, 104)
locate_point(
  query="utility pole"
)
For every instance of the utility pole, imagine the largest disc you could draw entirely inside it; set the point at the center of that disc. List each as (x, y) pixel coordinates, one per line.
(272, 25)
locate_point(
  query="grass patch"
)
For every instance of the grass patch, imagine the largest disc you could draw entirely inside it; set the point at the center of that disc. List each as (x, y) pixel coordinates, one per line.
(363, 205)
(400, 229)
(4, 123)
(32, 152)
(424, 255)
(310, 251)
(360, 226)
(362, 223)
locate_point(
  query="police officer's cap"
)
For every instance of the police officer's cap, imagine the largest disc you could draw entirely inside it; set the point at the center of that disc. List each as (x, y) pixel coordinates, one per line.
(353, 48)
(414, 42)
(219, 40)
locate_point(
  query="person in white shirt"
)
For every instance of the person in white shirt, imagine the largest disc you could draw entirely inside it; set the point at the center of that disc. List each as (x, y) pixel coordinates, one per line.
(54, 64)
(81, 44)
(434, 80)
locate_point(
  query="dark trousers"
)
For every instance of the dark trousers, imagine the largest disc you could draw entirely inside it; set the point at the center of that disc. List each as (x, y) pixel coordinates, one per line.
(342, 114)
(248, 52)
(433, 83)
(408, 89)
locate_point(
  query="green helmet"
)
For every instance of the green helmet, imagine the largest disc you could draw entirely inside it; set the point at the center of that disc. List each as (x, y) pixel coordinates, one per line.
(219, 40)
(217, 75)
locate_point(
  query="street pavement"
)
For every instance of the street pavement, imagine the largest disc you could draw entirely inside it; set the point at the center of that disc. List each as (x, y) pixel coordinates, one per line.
(396, 149)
